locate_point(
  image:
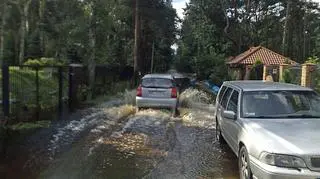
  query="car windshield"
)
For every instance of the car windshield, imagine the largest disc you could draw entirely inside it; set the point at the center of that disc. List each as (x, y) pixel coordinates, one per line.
(280, 104)
(157, 83)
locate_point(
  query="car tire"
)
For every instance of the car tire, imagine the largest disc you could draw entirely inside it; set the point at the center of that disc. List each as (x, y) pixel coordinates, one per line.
(244, 164)
(174, 112)
(219, 136)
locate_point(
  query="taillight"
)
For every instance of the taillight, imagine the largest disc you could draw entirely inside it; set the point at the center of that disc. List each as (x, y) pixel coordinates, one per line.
(139, 91)
(174, 93)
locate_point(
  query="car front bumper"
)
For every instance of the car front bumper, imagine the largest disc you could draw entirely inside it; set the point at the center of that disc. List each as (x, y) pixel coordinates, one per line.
(156, 102)
(263, 171)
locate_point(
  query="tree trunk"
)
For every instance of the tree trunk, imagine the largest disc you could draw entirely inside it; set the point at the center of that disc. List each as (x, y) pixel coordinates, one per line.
(92, 46)
(152, 58)
(23, 29)
(42, 5)
(136, 56)
(22, 38)
(226, 28)
(91, 64)
(285, 29)
(3, 23)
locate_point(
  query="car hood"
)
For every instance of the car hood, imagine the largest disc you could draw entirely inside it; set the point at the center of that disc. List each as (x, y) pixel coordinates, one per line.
(287, 136)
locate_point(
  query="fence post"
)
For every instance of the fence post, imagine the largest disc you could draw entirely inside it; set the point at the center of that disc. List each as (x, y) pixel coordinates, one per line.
(37, 94)
(282, 68)
(306, 74)
(70, 93)
(60, 107)
(5, 91)
(265, 72)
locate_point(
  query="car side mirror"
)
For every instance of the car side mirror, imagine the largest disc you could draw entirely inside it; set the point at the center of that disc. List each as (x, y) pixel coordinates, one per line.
(229, 115)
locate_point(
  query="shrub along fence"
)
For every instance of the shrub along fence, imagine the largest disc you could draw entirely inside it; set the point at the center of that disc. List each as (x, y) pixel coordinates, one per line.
(33, 93)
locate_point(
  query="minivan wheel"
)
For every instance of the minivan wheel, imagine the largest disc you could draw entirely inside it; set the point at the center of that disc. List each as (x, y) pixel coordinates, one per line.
(219, 136)
(174, 112)
(244, 164)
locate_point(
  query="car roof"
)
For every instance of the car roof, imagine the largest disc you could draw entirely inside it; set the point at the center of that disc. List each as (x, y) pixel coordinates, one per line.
(253, 85)
(167, 76)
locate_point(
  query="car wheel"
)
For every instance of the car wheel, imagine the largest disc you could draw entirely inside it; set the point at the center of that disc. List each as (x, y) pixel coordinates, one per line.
(174, 112)
(244, 164)
(219, 136)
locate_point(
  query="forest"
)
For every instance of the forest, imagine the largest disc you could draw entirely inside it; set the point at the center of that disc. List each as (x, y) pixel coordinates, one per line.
(214, 30)
(141, 33)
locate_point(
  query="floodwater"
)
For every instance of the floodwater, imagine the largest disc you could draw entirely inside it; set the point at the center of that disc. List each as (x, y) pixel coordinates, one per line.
(112, 141)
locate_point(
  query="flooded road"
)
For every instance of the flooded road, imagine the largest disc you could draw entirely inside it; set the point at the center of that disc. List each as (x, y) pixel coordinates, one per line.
(113, 141)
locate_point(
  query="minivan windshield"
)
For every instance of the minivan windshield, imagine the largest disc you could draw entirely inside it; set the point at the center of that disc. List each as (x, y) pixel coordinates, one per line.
(280, 104)
(157, 83)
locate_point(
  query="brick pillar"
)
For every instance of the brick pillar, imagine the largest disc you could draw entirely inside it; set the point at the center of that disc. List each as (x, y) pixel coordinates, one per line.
(265, 68)
(306, 76)
(282, 67)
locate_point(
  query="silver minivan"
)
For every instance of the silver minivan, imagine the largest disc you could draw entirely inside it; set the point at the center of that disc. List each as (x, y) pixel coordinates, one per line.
(273, 128)
(157, 91)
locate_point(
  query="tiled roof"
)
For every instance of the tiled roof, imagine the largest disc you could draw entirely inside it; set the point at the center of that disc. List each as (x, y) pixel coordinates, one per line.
(266, 56)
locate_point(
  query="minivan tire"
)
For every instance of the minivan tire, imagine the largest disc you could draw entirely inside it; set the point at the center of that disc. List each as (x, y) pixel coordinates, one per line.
(219, 136)
(244, 164)
(174, 112)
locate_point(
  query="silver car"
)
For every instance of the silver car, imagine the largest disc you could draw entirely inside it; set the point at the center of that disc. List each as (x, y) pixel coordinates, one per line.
(273, 128)
(157, 90)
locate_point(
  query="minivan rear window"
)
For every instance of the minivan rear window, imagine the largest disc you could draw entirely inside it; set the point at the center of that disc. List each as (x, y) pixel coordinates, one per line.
(157, 83)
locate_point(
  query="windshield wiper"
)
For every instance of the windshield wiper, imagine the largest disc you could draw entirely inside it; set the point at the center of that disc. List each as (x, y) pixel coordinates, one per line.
(262, 117)
(150, 86)
(301, 116)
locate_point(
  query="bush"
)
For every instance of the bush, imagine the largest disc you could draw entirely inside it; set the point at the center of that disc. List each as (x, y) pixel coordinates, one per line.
(287, 76)
(44, 62)
(313, 60)
(129, 97)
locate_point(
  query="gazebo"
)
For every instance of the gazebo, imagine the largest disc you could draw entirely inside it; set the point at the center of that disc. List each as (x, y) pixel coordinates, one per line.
(269, 59)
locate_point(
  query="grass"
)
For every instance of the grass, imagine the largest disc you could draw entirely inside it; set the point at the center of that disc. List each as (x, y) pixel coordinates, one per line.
(99, 100)
(120, 90)
(22, 126)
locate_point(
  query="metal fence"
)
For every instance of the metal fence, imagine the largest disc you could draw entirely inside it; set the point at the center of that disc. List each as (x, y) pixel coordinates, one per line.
(293, 74)
(273, 71)
(315, 78)
(33, 92)
(46, 92)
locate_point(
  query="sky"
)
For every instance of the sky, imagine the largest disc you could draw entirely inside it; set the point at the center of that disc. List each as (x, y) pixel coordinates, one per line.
(180, 4)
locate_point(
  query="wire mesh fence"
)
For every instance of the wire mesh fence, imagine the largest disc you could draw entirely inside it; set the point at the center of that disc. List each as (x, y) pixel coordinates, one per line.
(47, 92)
(272, 71)
(1, 102)
(315, 78)
(293, 74)
(35, 92)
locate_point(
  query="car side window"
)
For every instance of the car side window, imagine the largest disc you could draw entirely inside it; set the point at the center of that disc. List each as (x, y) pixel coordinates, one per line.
(233, 102)
(223, 89)
(226, 97)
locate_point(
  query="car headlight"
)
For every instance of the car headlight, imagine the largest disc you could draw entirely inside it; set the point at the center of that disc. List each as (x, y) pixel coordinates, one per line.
(278, 160)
